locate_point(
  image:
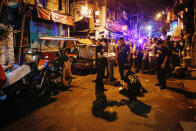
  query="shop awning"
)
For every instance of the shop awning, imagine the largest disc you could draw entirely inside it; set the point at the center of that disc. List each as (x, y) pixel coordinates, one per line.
(85, 41)
(54, 16)
(58, 38)
(86, 30)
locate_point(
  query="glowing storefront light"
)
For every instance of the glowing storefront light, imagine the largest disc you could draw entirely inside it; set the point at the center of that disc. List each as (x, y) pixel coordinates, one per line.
(124, 27)
(85, 11)
(96, 12)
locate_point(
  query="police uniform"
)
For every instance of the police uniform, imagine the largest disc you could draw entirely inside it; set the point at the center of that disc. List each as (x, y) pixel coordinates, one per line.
(162, 72)
(123, 52)
(100, 67)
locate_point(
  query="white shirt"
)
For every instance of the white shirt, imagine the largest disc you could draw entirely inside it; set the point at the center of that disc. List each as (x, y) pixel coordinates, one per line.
(152, 50)
(111, 49)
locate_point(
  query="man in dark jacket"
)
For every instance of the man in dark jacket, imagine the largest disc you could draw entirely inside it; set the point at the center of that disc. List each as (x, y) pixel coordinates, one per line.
(100, 66)
(132, 86)
(123, 52)
(162, 64)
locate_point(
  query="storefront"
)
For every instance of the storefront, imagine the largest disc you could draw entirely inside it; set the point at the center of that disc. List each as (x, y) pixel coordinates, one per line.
(48, 23)
(116, 30)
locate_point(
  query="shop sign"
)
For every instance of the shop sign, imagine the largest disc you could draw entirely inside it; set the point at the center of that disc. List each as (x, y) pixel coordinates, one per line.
(86, 11)
(124, 27)
(131, 32)
(56, 17)
(114, 26)
(61, 18)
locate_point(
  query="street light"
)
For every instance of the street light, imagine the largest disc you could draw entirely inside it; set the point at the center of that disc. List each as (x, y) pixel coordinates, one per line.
(149, 27)
(158, 15)
(140, 40)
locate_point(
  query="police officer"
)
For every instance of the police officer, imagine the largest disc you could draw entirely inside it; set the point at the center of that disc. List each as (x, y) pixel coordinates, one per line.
(100, 65)
(162, 64)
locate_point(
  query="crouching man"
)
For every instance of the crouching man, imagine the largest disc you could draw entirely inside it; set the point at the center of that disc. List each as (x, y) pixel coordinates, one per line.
(67, 74)
(132, 86)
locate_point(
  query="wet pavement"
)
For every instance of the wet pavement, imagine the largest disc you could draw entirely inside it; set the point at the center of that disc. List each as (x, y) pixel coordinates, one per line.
(80, 109)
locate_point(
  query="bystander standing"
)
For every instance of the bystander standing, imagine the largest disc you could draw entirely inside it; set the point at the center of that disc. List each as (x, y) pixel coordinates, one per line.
(162, 64)
(123, 51)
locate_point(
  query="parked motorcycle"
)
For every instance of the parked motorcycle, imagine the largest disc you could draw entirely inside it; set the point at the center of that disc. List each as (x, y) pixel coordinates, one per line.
(49, 73)
(17, 80)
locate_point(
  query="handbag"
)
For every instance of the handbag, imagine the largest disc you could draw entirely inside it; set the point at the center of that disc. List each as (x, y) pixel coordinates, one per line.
(2, 76)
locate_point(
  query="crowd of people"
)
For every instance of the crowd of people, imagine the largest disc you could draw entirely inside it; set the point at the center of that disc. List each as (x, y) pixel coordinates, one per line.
(151, 54)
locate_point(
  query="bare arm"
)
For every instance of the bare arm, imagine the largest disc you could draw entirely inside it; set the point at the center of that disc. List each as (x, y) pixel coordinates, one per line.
(126, 86)
(64, 75)
(164, 62)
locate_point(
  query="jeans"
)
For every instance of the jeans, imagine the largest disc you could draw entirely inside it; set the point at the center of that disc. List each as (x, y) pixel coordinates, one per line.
(144, 62)
(121, 69)
(138, 62)
(152, 61)
(162, 76)
(111, 68)
(100, 75)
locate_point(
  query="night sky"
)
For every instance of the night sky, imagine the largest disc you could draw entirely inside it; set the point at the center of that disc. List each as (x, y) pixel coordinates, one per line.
(149, 7)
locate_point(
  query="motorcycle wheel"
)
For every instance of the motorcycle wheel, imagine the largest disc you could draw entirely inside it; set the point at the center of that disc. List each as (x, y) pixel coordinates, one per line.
(12, 92)
(36, 89)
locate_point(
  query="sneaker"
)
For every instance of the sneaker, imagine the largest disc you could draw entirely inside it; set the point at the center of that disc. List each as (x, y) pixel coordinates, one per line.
(105, 89)
(112, 79)
(158, 84)
(163, 87)
(133, 99)
(144, 90)
(140, 95)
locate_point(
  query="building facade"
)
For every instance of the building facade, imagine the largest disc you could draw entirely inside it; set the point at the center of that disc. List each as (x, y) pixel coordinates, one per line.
(100, 17)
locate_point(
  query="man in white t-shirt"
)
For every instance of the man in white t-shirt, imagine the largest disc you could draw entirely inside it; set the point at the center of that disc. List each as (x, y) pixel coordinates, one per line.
(152, 55)
(146, 55)
(111, 61)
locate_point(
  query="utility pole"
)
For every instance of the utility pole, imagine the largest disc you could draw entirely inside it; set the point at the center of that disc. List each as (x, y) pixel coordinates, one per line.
(194, 38)
(22, 32)
(68, 13)
(60, 25)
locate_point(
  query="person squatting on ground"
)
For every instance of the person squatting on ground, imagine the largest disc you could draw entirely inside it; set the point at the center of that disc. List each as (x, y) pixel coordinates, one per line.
(123, 52)
(67, 74)
(132, 86)
(162, 64)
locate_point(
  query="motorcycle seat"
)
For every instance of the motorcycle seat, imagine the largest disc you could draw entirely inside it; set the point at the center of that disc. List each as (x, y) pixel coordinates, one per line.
(17, 74)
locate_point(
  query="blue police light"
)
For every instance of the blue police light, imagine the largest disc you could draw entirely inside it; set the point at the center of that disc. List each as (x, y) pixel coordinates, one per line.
(140, 40)
(149, 27)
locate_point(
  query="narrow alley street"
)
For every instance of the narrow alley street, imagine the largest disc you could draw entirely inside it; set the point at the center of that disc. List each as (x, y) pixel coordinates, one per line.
(77, 109)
